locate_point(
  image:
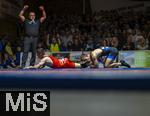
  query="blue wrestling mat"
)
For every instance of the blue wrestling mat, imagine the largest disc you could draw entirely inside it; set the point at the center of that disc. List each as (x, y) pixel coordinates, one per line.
(116, 78)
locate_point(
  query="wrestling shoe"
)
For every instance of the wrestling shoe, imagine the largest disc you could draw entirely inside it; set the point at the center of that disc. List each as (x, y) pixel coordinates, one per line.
(123, 63)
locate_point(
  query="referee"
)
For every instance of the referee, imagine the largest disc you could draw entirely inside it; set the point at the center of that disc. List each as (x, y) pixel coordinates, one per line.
(31, 28)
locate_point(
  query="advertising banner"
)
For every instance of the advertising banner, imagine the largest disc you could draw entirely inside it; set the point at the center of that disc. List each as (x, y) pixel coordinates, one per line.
(136, 58)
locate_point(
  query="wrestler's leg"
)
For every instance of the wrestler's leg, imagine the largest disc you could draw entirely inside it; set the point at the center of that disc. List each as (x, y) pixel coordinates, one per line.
(110, 64)
(110, 61)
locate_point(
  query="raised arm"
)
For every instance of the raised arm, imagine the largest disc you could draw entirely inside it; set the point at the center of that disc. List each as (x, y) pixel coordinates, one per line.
(42, 19)
(21, 14)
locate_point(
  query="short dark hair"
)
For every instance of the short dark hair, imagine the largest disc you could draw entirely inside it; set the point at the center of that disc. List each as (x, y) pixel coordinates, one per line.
(82, 57)
(40, 50)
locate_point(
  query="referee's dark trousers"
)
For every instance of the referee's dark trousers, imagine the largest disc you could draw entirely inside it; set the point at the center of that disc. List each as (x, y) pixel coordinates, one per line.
(30, 43)
(31, 32)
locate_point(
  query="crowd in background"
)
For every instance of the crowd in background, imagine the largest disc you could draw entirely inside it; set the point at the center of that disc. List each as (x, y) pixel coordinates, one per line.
(129, 30)
(10, 51)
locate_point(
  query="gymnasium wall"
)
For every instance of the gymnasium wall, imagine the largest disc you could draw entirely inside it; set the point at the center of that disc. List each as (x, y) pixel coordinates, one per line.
(9, 10)
(98, 5)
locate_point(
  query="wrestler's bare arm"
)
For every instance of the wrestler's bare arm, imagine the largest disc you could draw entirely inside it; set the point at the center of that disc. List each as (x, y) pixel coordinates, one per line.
(41, 63)
(94, 54)
(94, 60)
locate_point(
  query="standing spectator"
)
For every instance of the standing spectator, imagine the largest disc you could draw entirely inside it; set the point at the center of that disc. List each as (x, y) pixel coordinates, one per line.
(31, 26)
(55, 45)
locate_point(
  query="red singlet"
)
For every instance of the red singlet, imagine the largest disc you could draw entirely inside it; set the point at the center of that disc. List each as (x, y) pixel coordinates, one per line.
(62, 63)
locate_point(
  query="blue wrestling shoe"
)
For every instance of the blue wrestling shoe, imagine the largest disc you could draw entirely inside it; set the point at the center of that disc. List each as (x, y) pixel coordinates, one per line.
(123, 63)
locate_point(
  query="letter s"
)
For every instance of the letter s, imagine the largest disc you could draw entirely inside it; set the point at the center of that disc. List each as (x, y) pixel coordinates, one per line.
(40, 102)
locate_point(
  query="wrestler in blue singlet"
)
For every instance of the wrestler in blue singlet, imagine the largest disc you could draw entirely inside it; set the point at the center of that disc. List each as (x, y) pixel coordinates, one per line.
(108, 53)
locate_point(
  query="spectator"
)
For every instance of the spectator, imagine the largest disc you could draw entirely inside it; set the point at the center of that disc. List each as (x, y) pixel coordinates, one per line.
(55, 45)
(69, 46)
(142, 43)
(104, 43)
(76, 46)
(129, 45)
(115, 42)
(8, 61)
(2, 46)
(89, 45)
(8, 49)
(17, 56)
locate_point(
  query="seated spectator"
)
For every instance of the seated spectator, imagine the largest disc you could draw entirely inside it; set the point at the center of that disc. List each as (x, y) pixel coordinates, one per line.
(104, 43)
(76, 46)
(63, 48)
(114, 42)
(1, 51)
(129, 45)
(8, 49)
(18, 56)
(88, 46)
(142, 44)
(1, 46)
(69, 46)
(8, 61)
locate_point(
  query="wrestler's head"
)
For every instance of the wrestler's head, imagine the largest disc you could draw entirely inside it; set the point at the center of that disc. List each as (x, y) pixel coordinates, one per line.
(32, 15)
(85, 58)
(40, 53)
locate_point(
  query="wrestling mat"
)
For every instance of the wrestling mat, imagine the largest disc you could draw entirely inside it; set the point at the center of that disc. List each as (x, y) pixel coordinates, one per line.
(113, 78)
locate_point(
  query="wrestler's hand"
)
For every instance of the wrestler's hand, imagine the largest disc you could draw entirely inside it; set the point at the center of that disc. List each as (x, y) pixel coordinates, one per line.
(41, 8)
(25, 7)
(30, 67)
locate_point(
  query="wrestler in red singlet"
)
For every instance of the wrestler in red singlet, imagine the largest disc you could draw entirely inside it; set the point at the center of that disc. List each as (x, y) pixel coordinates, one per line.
(62, 63)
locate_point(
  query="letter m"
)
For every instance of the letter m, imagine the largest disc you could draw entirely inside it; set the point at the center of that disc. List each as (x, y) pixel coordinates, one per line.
(14, 106)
